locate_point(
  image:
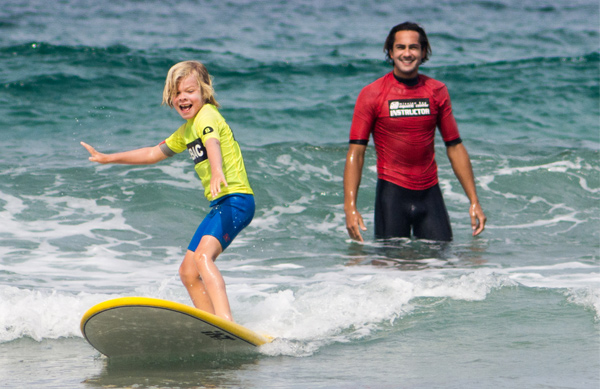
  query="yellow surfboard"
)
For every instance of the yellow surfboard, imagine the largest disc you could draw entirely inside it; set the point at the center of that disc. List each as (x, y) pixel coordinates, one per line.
(142, 327)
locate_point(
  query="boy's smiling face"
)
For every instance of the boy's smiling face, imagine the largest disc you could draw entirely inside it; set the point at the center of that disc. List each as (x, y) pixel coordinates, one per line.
(188, 98)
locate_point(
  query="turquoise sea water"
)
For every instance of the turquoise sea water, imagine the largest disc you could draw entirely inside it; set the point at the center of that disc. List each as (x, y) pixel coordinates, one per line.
(517, 307)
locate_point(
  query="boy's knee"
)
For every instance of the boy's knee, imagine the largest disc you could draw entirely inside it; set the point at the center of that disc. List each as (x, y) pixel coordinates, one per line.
(188, 275)
(203, 257)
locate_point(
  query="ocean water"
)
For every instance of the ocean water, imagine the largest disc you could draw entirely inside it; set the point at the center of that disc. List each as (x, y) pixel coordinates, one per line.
(517, 307)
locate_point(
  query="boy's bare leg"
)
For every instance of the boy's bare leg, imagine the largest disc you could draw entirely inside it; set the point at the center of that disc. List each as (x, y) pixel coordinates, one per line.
(207, 252)
(190, 277)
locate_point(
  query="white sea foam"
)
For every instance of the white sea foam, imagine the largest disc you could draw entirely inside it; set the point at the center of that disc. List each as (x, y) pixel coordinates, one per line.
(570, 218)
(13, 205)
(330, 223)
(564, 275)
(352, 303)
(587, 297)
(41, 314)
(325, 312)
(308, 172)
(558, 167)
(450, 194)
(582, 286)
(184, 175)
(271, 218)
(97, 262)
(287, 266)
(84, 216)
(570, 168)
(304, 314)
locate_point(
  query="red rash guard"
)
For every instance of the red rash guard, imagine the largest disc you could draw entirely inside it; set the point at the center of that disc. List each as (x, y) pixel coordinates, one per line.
(403, 120)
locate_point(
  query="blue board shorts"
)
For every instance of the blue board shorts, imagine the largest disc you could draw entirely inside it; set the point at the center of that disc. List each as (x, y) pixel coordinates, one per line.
(229, 215)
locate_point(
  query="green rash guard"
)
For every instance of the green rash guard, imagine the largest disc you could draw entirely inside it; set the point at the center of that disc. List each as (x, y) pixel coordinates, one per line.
(208, 123)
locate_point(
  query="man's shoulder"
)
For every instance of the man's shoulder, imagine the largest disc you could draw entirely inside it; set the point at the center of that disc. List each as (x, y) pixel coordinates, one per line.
(380, 81)
(375, 88)
(431, 82)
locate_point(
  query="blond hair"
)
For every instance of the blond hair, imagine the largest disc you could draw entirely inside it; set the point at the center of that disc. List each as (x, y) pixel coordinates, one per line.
(182, 70)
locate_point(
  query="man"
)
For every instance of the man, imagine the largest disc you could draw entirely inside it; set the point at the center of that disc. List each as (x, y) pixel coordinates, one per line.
(402, 110)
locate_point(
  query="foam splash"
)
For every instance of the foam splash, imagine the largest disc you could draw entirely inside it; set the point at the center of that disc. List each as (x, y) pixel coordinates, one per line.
(305, 314)
(588, 298)
(350, 304)
(41, 314)
(356, 303)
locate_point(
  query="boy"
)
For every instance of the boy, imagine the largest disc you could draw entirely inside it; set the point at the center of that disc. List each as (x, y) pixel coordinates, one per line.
(218, 161)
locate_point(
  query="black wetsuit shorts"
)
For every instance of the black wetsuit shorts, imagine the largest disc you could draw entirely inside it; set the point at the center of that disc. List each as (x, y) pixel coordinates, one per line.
(400, 211)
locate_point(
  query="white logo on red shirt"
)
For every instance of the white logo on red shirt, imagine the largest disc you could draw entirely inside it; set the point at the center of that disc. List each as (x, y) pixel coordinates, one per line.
(411, 107)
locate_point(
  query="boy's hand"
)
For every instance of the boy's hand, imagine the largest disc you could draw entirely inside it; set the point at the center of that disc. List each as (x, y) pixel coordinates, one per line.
(215, 183)
(95, 156)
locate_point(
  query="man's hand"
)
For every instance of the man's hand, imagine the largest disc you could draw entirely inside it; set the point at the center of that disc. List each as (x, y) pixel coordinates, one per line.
(354, 224)
(478, 218)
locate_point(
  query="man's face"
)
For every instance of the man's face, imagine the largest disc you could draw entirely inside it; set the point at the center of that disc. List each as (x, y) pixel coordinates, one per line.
(406, 54)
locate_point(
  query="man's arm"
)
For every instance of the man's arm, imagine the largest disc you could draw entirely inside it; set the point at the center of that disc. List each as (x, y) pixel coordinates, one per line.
(461, 164)
(352, 176)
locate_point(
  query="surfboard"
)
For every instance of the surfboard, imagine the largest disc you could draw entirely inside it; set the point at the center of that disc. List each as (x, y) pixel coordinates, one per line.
(143, 327)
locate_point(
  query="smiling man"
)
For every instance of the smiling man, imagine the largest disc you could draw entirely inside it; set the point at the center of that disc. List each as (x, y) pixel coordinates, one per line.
(402, 110)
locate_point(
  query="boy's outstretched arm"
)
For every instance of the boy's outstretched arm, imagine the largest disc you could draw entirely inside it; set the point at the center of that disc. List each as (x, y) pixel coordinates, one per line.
(143, 156)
